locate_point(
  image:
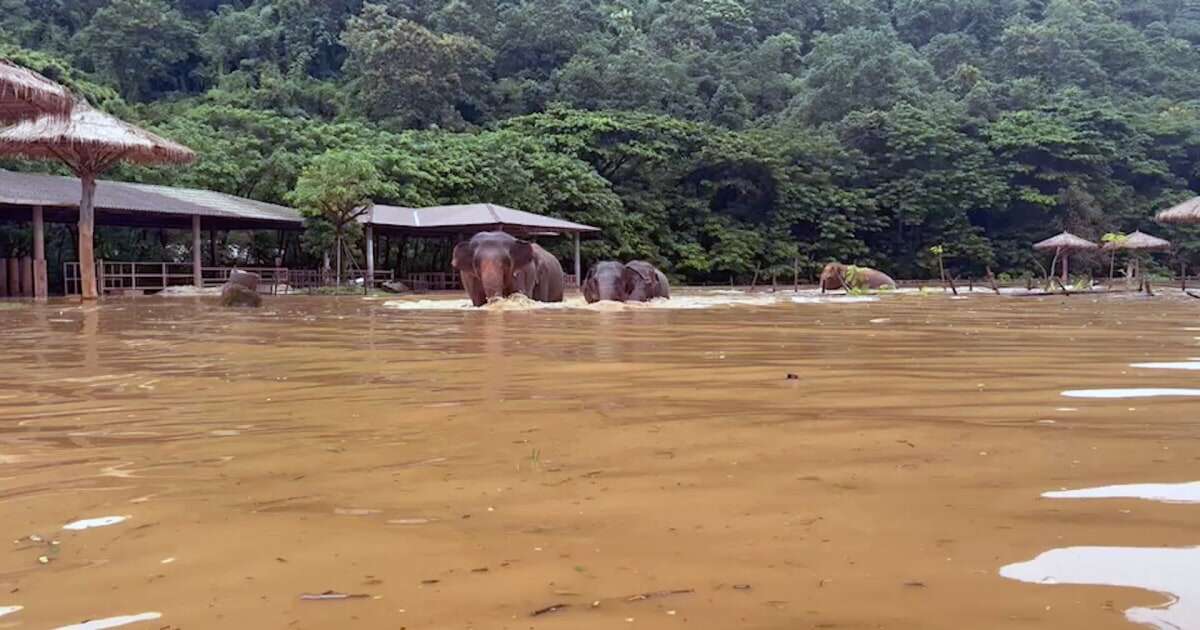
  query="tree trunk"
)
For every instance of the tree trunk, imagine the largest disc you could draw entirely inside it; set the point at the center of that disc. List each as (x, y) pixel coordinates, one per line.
(87, 222)
(338, 270)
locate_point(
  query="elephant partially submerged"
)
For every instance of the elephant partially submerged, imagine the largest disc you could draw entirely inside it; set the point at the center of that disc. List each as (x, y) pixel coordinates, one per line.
(495, 265)
(636, 281)
(838, 276)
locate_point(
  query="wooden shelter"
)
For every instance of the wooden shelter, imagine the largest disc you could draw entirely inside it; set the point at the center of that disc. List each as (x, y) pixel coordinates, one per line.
(89, 142)
(25, 94)
(457, 221)
(1063, 245)
(49, 198)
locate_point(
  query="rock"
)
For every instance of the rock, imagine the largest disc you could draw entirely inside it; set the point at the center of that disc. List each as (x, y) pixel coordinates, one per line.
(241, 290)
(394, 286)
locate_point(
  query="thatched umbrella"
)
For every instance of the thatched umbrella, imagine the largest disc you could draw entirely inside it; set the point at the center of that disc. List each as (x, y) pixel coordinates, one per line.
(1062, 246)
(1187, 212)
(25, 94)
(89, 142)
(1138, 242)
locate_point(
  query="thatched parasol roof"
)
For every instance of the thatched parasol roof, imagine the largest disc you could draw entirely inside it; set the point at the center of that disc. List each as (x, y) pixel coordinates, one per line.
(1186, 212)
(1065, 242)
(25, 94)
(1139, 241)
(90, 141)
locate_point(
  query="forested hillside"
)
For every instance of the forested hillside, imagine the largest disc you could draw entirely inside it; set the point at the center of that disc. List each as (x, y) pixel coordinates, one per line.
(714, 137)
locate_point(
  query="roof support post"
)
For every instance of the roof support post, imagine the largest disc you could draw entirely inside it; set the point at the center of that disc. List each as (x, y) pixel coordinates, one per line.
(40, 277)
(578, 278)
(197, 257)
(369, 281)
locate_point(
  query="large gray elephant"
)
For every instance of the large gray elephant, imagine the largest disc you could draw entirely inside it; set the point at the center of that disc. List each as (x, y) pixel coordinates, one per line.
(495, 264)
(635, 281)
(838, 276)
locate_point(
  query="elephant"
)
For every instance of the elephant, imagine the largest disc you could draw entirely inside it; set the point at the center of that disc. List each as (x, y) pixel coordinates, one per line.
(838, 276)
(635, 281)
(496, 264)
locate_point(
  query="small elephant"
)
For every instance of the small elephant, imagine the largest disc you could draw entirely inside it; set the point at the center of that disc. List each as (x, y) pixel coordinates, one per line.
(241, 289)
(838, 276)
(636, 281)
(496, 264)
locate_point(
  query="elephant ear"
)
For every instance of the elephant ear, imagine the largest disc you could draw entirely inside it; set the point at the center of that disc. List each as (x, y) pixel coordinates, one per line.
(522, 254)
(462, 256)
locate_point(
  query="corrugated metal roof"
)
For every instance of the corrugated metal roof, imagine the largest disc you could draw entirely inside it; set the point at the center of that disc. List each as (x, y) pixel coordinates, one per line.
(29, 189)
(470, 215)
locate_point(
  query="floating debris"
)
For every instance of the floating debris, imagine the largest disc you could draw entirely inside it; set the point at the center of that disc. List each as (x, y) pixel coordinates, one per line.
(655, 594)
(89, 523)
(332, 595)
(793, 377)
(112, 622)
(550, 609)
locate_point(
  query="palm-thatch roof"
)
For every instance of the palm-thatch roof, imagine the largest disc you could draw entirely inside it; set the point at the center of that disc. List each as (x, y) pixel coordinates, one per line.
(1186, 212)
(90, 141)
(1139, 241)
(25, 94)
(1065, 242)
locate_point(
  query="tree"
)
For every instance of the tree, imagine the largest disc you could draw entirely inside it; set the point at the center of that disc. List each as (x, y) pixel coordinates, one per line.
(338, 187)
(125, 43)
(406, 72)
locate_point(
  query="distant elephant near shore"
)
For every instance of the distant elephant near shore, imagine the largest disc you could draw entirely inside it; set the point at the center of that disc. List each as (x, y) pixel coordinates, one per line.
(635, 281)
(838, 276)
(497, 265)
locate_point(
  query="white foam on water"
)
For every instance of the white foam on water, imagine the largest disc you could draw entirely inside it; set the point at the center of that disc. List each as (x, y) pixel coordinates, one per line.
(112, 622)
(1135, 392)
(1173, 572)
(1162, 492)
(1172, 365)
(8, 610)
(89, 523)
(522, 303)
(835, 299)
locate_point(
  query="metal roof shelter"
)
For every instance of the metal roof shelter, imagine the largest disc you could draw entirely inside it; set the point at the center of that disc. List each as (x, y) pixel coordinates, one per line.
(459, 220)
(139, 205)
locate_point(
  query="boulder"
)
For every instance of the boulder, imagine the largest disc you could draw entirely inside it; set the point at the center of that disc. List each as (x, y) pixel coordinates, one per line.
(394, 286)
(241, 290)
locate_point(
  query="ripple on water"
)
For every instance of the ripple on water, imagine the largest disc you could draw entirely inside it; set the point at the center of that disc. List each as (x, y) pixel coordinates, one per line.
(112, 622)
(1162, 492)
(1174, 572)
(8, 610)
(1133, 392)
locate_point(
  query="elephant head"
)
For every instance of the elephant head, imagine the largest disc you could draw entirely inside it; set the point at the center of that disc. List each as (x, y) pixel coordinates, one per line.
(832, 277)
(607, 280)
(493, 265)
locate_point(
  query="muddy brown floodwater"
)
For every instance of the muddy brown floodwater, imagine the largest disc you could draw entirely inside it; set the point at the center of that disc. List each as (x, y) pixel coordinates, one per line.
(464, 469)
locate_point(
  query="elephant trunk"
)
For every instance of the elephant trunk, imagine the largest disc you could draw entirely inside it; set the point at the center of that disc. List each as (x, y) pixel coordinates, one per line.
(493, 278)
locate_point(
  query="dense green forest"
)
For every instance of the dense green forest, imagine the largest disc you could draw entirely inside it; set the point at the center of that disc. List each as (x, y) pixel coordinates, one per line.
(713, 137)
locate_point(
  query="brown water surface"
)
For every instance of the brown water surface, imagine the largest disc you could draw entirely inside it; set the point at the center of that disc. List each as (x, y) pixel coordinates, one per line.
(465, 469)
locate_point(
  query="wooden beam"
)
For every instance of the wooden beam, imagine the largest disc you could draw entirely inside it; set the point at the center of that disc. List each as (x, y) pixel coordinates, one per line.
(197, 254)
(40, 276)
(369, 281)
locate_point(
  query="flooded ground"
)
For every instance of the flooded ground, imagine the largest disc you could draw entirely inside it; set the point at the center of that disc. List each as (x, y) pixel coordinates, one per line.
(169, 464)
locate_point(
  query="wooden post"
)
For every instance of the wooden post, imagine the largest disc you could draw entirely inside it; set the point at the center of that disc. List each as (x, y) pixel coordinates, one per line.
(1183, 275)
(197, 256)
(578, 267)
(796, 275)
(369, 281)
(14, 277)
(3, 277)
(212, 249)
(40, 277)
(97, 272)
(27, 276)
(87, 254)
